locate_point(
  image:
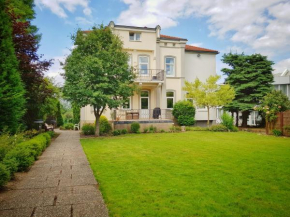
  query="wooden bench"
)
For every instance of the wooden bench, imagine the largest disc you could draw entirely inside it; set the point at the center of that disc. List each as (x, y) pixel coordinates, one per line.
(132, 115)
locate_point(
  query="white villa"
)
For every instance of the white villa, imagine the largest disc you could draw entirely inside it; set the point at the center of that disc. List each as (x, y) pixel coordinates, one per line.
(162, 63)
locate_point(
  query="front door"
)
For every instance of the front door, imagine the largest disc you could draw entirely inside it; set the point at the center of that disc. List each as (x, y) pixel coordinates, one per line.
(144, 105)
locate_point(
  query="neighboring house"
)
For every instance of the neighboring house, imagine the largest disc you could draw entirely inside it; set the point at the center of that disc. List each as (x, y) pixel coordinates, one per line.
(162, 63)
(282, 82)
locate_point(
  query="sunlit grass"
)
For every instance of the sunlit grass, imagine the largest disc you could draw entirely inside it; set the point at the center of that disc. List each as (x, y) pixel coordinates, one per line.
(192, 174)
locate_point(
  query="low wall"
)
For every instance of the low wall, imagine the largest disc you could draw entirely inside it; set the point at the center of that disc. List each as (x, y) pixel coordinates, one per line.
(160, 124)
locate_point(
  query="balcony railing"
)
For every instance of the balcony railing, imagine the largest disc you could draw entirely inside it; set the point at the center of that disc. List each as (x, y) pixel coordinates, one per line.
(149, 74)
(142, 114)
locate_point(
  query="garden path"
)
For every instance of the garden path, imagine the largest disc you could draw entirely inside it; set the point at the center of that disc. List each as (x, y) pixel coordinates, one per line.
(60, 183)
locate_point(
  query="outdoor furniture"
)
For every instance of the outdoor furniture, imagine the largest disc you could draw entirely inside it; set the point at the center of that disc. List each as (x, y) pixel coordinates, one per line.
(77, 126)
(39, 122)
(48, 127)
(156, 113)
(132, 115)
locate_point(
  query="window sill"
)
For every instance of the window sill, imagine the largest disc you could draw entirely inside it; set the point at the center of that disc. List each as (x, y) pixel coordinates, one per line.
(135, 41)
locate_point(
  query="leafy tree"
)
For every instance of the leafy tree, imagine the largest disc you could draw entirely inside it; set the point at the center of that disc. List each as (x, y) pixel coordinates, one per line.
(209, 94)
(76, 113)
(31, 67)
(59, 116)
(11, 88)
(271, 104)
(97, 72)
(251, 77)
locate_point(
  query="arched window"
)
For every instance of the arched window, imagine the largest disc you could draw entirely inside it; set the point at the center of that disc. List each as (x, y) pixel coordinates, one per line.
(170, 99)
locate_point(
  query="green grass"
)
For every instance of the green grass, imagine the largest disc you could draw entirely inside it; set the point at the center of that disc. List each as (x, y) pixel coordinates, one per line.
(192, 174)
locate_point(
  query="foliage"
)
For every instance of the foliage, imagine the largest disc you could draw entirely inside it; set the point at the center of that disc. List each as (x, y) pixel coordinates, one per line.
(287, 128)
(227, 121)
(272, 103)
(11, 165)
(175, 129)
(4, 172)
(220, 166)
(103, 79)
(209, 94)
(218, 128)
(12, 92)
(105, 126)
(116, 132)
(124, 131)
(68, 126)
(145, 130)
(31, 133)
(8, 142)
(88, 129)
(76, 113)
(135, 127)
(32, 67)
(251, 77)
(196, 128)
(277, 132)
(59, 119)
(152, 129)
(51, 133)
(184, 113)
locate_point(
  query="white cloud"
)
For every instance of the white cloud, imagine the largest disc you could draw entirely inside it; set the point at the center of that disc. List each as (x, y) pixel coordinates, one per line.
(83, 21)
(56, 69)
(263, 25)
(280, 66)
(58, 7)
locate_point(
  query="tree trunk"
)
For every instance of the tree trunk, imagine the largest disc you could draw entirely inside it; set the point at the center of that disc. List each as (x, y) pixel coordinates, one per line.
(97, 125)
(207, 116)
(237, 118)
(245, 115)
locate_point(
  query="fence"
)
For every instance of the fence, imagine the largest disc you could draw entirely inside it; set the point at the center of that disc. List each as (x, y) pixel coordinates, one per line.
(282, 120)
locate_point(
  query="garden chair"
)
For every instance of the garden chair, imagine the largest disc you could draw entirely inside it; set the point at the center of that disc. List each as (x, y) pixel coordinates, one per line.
(48, 127)
(77, 126)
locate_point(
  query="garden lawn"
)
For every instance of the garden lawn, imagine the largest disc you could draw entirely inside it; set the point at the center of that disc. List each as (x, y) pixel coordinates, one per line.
(192, 174)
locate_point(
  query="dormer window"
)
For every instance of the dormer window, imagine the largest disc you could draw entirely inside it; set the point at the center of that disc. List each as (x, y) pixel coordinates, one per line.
(133, 36)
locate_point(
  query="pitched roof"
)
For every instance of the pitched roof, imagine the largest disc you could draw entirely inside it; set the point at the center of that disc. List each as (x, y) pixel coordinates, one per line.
(199, 49)
(167, 37)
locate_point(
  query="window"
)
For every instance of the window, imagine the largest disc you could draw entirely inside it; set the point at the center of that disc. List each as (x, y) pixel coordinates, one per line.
(170, 99)
(130, 61)
(170, 66)
(144, 99)
(134, 36)
(127, 103)
(144, 65)
(283, 88)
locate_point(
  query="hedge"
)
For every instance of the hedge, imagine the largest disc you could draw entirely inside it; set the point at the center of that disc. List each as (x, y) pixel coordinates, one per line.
(22, 156)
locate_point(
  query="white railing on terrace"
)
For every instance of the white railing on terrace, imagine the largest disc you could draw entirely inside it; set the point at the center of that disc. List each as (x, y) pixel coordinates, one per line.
(149, 74)
(142, 114)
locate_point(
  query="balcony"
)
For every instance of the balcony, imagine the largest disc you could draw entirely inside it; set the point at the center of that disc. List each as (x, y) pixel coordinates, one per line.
(142, 114)
(149, 75)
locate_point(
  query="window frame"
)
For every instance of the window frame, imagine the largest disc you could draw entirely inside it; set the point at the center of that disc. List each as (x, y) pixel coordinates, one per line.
(130, 103)
(134, 36)
(139, 63)
(170, 97)
(173, 67)
(145, 97)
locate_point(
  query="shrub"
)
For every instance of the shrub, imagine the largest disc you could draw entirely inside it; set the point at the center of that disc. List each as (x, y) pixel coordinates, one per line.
(31, 133)
(11, 164)
(88, 129)
(4, 174)
(277, 132)
(116, 132)
(68, 126)
(135, 127)
(152, 129)
(105, 126)
(227, 121)
(162, 131)
(145, 130)
(218, 128)
(175, 129)
(287, 128)
(184, 113)
(196, 128)
(51, 133)
(23, 155)
(124, 131)
(235, 129)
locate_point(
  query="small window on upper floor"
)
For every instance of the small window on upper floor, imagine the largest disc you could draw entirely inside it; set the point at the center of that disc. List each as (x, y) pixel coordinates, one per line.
(133, 36)
(170, 66)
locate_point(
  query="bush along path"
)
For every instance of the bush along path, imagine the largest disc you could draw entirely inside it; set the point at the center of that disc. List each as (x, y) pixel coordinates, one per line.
(60, 183)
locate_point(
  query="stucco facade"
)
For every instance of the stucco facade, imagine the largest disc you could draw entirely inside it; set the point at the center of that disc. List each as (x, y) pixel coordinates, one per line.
(162, 64)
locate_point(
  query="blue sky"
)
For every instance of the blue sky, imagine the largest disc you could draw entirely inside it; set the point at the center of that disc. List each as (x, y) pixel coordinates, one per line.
(256, 26)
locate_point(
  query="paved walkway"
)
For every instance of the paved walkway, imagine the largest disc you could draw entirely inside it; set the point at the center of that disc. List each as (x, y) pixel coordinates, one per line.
(60, 183)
